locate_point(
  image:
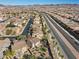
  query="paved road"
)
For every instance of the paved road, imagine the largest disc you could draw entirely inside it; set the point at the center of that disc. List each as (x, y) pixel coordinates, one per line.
(66, 46)
(66, 34)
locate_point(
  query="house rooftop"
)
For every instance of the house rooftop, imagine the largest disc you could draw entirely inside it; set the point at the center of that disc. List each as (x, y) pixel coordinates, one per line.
(19, 45)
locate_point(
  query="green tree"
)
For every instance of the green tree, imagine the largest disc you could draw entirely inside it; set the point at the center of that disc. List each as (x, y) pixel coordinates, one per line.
(21, 37)
(29, 57)
(43, 49)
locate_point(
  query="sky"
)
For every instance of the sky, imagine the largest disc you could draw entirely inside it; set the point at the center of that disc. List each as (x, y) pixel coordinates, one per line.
(31, 2)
